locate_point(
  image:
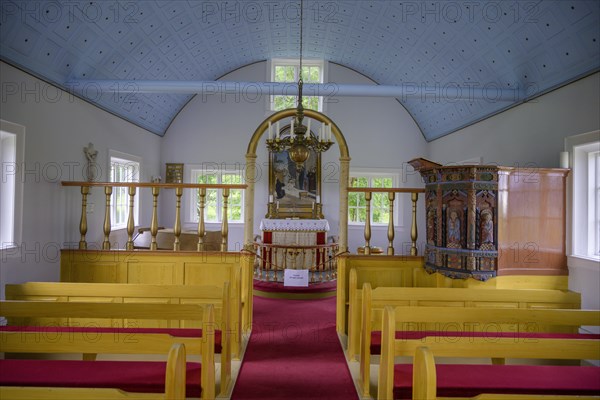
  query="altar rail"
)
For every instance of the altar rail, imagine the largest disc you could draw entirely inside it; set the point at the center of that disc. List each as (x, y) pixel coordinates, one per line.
(414, 196)
(273, 259)
(156, 187)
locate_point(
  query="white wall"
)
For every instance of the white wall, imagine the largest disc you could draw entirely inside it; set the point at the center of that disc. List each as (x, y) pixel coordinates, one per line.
(57, 127)
(216, 129)
(531, 134)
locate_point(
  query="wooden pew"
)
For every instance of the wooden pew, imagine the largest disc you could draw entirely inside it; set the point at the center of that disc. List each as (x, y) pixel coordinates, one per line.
(175, 379)
(424, 381)
(166, 268)
(147, 293)
(450, 297)
(70, 311)
(489, 300)
(107, 343)
(489, 345)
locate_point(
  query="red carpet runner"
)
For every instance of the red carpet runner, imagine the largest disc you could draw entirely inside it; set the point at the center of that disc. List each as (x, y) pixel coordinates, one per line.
(294, 353)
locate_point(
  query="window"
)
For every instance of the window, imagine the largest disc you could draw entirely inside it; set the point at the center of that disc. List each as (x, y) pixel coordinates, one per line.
(213, 202)
(594, 203)
(12, 138)
(357, 204)
(288, 71)
(585, 163)
(123, 168)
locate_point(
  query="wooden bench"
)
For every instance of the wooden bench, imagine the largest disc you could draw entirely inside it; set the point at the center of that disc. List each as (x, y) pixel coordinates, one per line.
(467, 380)
(166, 268)
(146, 293)
(450, 297)
(131, 376)
(175, 379)
(116, 308)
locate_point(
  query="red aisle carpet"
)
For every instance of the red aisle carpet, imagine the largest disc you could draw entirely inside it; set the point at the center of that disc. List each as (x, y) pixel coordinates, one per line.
(294, 353)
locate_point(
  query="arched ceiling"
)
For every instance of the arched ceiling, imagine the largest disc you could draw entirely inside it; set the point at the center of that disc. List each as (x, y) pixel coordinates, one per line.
(427, 48)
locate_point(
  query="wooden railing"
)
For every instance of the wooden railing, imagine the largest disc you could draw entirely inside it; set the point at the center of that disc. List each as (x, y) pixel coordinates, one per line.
(391, 192)
(273, 259)
(156, 188)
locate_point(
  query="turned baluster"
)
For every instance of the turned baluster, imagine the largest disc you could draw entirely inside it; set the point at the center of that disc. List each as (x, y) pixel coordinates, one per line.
(154, 222)
(368, 224)
(85, 190)
(224, 224)
(130, 219)
(106, 242)
(201, 228)
(391, 232)
(177, 226)
(413, 229)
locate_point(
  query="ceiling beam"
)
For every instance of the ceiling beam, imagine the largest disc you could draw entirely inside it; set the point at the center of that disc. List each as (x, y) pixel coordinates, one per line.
(491, 92)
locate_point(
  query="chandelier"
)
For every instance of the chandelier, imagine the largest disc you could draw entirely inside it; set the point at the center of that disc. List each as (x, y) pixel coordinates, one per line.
(301, 139)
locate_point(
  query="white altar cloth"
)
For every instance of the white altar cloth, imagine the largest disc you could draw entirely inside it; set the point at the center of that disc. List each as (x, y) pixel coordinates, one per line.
(307, 225)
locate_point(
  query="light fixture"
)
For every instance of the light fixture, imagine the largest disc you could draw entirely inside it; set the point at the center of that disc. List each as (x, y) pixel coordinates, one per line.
(300, 140)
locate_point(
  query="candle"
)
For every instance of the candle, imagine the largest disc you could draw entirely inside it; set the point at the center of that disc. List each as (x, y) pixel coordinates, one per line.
(308, 127)
(292, 128)
(270, 132)
(270, 198)
(278, 204)
(277, 130)
(318, 199)
(313, 205)
(322, 132)
(329, 132)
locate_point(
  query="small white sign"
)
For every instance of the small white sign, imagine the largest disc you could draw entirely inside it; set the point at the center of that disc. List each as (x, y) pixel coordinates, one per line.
(295, 277)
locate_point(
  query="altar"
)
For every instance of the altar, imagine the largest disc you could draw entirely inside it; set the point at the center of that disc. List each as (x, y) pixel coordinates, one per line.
(291, 242)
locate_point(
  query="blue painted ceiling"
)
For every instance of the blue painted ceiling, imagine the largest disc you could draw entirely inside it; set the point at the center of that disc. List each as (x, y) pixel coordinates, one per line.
(430, 48)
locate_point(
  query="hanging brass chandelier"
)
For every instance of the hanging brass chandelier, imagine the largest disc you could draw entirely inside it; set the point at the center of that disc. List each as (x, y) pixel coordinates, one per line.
(301, 139)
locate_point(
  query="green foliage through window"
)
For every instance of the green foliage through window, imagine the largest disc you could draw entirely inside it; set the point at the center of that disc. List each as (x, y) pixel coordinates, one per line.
(380, 203)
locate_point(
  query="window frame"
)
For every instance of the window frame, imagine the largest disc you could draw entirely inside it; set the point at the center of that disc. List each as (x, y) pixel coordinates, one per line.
(272, 63)
(194, 171)
(584, 217)
(128, 158)
(374, 173)
(17, 156)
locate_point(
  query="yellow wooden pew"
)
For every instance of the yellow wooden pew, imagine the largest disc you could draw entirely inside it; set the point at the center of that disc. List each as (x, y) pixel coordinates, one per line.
(494, 304)
(175, 377)
(123, 310)
(424, 382)
(449, 297)
(138, 343)
(228, 320)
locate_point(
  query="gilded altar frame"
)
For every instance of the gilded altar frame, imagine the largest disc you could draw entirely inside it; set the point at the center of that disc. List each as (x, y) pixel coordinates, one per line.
(293, 192)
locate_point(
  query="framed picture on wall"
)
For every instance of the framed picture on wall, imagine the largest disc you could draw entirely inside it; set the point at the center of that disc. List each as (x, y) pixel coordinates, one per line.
(174, 173)
(295, 190)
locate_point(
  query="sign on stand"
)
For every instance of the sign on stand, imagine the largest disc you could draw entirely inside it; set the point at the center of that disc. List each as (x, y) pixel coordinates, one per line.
(295, 277)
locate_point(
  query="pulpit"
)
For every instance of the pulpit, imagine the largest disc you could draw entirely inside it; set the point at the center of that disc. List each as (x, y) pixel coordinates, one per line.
(487, 220)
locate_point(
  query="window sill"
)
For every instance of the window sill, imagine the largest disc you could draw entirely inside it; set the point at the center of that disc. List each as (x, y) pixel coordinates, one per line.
(583, 262)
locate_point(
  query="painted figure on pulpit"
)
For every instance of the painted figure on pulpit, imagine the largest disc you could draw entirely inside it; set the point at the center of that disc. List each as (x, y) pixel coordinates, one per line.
(453, 228)
(487, 227)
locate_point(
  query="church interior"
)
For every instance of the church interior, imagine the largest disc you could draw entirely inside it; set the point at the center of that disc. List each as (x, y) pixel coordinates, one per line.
(300, 199)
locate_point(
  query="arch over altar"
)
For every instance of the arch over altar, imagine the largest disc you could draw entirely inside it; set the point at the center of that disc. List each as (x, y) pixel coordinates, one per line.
(251, 172)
